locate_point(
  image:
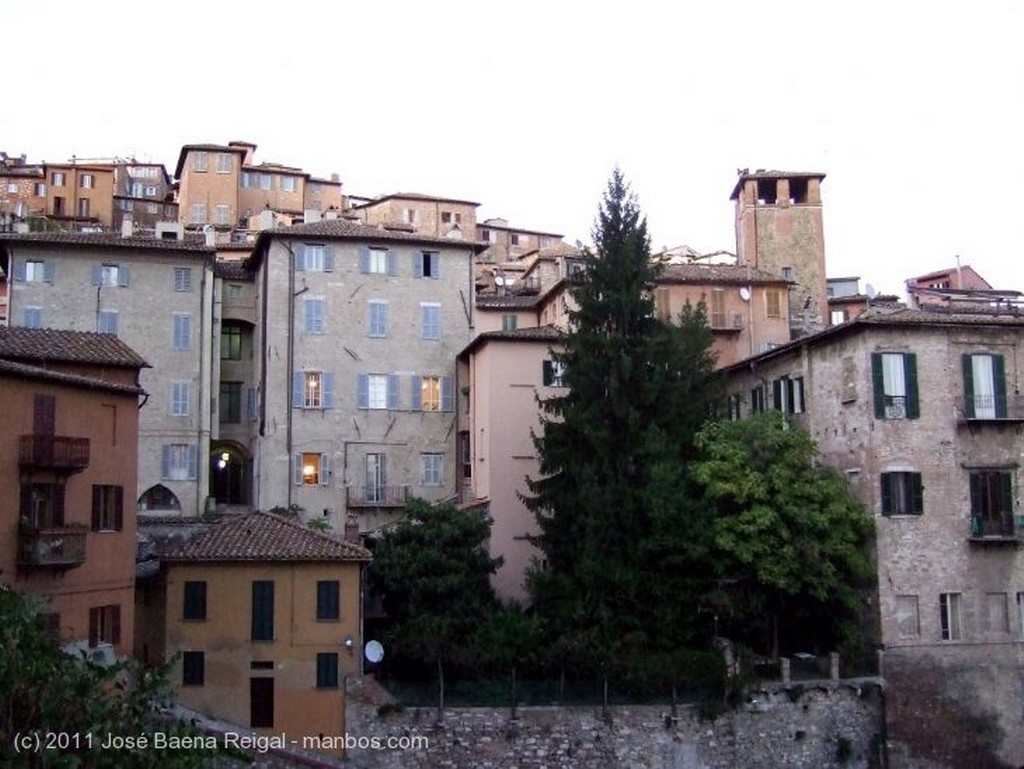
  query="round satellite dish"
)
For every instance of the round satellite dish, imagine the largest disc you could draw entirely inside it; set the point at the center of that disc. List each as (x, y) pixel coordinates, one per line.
(870, 291)
(745, 294)
(499, 281)
(373, 652)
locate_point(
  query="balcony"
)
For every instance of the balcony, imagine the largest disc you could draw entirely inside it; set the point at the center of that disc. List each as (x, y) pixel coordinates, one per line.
(53, 452)
(51, 548)
(989, 408)
(998, 528)
(376, 496)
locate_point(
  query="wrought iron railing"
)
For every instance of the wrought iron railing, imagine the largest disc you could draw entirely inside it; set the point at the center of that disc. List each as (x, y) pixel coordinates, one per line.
(54, 547)
(54, 452)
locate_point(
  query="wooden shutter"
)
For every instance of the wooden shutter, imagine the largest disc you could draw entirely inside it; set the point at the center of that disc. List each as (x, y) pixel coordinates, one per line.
(999, 385)
(777, 402)
(118, 508)
(327, 396)
(97, 274)
(417, 393)
(297, 469)
(262, 610)
(44, 414)
(393, 385)
(362, 391)
(300, 258)
(447, 394)
(417, 264)
(910, 371)
(1005, 494)
(968, 370)
(57, 514)
(364, 260)
(165, 461)
(878, 382)
(94, 626)
(20, 271)
(328, 259)
(48, 272)
(977, 493)
(297, 394)
(122, 275)
(918, 493)
(392, 263)
(97, 507)
(325, 469)
(886, 493)
(115, 624)
(549, 373)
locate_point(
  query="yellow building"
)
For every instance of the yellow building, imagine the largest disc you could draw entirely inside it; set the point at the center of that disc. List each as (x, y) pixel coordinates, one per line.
(266, 614)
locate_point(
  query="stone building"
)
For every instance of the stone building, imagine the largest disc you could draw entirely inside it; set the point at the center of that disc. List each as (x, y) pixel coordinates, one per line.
(922, 412)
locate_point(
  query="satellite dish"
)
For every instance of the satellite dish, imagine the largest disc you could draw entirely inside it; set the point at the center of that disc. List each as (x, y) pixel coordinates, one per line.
(870, 291)
(499, 281)
(374, 652)
(745, 294)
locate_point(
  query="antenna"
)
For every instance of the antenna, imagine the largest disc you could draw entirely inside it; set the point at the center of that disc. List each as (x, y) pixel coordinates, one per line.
(870, 291)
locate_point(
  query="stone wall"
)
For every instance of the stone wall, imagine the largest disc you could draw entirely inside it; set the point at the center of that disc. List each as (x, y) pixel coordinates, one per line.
(821, 726)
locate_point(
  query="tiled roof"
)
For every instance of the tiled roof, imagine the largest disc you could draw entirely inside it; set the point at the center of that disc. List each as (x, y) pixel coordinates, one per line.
(12, 368)
(263, 536)
(415, 196)
(45, 345)
(522, 230)
(530, 334)
(233, 270)
(560, 249)
(107, 240)
(494, 302)
(762, 174)
(186, 148)
(716, 273)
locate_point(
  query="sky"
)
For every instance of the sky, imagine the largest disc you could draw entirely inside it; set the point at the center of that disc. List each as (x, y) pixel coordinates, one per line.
(913, 110)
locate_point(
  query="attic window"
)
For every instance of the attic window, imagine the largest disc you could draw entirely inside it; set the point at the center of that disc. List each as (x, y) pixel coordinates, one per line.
(798, 190)
(766, 192)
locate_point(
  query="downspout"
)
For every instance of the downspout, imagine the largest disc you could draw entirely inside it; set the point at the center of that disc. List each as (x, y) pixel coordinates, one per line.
(205, 386)
(290, 354)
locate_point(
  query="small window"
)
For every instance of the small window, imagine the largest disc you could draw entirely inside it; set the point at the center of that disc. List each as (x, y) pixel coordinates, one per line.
(949, 617)
(312, 471)
(773, 302)
(57, 179)
(105, 625)
(83, 207)
(32, 317)
(377, 318)
(327, 670)
(377, 393)
(894, 376)
(40, 190)
(194, 600)
(107, 322)
(432, 469)
(181, 331)
(787, 273)
(86, 181)
(182, 279)
(312, 387)
(410, 216)
(197, 213)
(193, 668)
(514, 238)
(230, 402)
(328, 600)
(485, 235)
(375, 261)
(225, 163)
(230, 342)
(908, 619)
(427, 264)
(200, 161)
(430, 393)
(509, 322)
(313, 317)
(222, 213)
(262, 610)
(107, 508)
(234, 292)
(997, 613)
(554, 373)
(180, 398)
(179, 461)
(902, 494)
(992, 503)
(287, 184)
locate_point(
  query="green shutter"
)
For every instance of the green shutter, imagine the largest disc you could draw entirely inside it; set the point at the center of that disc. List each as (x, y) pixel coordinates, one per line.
(977, 489)
(968, 386)
(1005, 495)
(878, 379)
(910, 371)
(999, 385)
(777, 395)
(918, 490)
(886, 493)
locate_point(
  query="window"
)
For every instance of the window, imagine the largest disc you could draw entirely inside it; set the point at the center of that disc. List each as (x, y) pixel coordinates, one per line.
(410, 216)
(733, 403)
(58, 206)
(314, 258)
(757, 399)
(992, 503)
(194, 607)
(426, 264)
(313, 390)
(313, 316)
(200, 162)
(105, 625)
(430, 320)
(262, 610)
(984, 386)
(327, 670)
(179, 461)
(908, 618)
(377, 391)
(151, 208)
(949, 616)
(266, 181)
(109, 275)
(42, 504)
(662, 305)
(312, 469)
(230, 403)
(902, 493)
(230, 341)
(83, 207)
(554, 373)
(87, 181)
(107, 322)
(839, 316)
(432, 393)
(787, 273)
(514, 238)
(509, 322)
(225, 163)
(377, 261)
(234, 291)
(193, 668)
(57, 179)
(788, 395)
(377, 318)
(181, 333)
(12, 188)
(773, 302)
(34, 271)
(222, 213)
(376, 477)
(718, 308)
(151, 193)
(33, 317)
(197, 213)
(448, 217)
(107, 508)
(182, 279)
(328, 604)
(997, 613)
(432, 469)
(894, 376)
(40, 190)
(287, 184)
(485, 235)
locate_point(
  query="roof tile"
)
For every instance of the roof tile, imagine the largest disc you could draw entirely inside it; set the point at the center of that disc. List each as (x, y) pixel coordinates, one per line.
(40, 345)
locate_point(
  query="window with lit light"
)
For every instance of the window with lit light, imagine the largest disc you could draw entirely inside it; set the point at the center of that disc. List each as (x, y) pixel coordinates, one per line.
(312, 388)
(310, 469)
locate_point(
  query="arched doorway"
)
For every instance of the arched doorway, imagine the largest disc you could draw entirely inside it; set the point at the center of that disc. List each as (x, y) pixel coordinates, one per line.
(229, 473)
(159, 499)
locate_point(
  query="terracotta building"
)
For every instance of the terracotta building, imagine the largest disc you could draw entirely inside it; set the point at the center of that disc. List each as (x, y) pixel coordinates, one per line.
(68, 457)
(922, 412)
(266, 616)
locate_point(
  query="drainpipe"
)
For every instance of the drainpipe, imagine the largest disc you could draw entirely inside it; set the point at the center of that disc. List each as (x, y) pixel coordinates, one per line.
(205, 386)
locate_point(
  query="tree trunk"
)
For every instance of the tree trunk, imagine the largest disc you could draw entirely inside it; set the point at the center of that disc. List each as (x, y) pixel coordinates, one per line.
(675, 703)
(440, 690)
(514, 698)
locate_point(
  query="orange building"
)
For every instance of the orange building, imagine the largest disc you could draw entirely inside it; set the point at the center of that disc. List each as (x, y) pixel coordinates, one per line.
(68, 451)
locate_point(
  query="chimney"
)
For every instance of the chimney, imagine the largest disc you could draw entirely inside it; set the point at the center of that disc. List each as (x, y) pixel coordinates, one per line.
(211, 235)
(127, 227)
(352, 530)
(331, 214)
(310, 215)
(335, 177)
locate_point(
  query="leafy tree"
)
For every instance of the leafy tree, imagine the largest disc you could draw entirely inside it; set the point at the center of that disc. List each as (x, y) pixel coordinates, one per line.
(614, 446)
(433, 572)
(507, 640)
(791, 543)
(44, 690)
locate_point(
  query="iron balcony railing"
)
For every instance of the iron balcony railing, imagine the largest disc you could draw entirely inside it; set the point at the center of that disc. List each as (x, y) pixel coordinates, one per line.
(997, 526)
(376, 496)
(54, 547)
(54, 452)
(989, 407)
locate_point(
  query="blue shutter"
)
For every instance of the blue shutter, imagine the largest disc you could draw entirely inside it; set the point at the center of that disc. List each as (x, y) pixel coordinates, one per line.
(122, 275)
(97, 274)
(364, 261)
(385, 320)
(307, 316)
(297, 469)
(328, 259)
(417, 264)
(193, 461)
(165, 461)
(300, 257)
(363, 391)
(436, 271)
(328, 394)
(48, 271)
(417, 393)
(19, 271)
(250, 403)
(33, 317)
(325, 469)
(392, 391)
(392, 263)
(447, 394)
(297, 399)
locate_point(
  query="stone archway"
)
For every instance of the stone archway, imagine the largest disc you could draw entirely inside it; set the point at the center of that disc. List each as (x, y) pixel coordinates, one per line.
(230, 469)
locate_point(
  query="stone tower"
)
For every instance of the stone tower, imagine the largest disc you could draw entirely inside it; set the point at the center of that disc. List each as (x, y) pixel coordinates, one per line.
(779, 230)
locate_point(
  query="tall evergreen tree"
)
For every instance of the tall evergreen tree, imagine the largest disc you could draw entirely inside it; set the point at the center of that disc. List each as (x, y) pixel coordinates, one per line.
(613, 448)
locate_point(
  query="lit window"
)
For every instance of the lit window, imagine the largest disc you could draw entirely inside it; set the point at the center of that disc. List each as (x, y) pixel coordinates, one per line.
(311, 469)
(312, 388)
(430, 393)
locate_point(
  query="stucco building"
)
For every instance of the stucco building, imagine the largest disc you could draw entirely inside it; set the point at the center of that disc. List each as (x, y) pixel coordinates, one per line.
(67, 462)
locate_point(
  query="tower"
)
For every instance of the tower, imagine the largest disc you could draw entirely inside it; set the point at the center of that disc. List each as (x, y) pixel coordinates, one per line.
(779, 230)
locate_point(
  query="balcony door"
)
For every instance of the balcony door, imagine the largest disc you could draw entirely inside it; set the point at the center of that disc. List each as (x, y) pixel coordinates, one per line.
(376, 477)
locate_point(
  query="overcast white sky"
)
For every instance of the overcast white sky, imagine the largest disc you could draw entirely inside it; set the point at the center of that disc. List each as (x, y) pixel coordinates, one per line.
(914, 110)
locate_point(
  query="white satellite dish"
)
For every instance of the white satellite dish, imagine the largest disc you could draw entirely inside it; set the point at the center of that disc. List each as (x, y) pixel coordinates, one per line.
(745, 293)
(870, 291)
(374, 652)
(499, 281)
